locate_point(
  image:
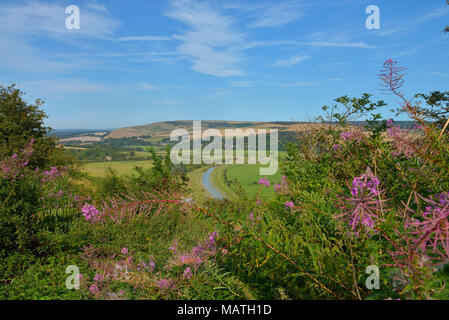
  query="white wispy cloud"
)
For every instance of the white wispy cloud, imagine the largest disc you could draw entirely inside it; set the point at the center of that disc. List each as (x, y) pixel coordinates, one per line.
(361, 45)
(169, 101)
(251, 83)
(97, 6)
(20, 56)
(211, 39)
(334, 44)
(278, 14)
(147, 86)
(243, 83)
(145, 38)
(48, 20)
(411, 24)
(21, 24)
(441, 74)
(310, 83)
(270, 14)
(290, 62)
(65, 85)
(217, 94)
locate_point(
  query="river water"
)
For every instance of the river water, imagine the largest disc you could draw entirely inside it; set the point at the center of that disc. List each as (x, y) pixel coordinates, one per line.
(214, 193)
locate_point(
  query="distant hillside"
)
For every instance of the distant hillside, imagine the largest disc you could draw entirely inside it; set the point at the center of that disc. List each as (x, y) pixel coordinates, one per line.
(68, 133)
(165, 128)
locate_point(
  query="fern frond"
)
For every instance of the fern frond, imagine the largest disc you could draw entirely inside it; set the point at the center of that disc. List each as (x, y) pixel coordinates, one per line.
(67, 212)
(126, 207)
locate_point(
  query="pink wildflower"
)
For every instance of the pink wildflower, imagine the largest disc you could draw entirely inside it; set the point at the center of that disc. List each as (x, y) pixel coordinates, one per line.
(251, 216)
(432, 232)
(90, 213)
(392, 76)
(336, 147)
(212, 237)
(165, 284)
(355, 135)
(282, 187)
(187, 273)
(289, 205)
(98, 277)
(402, 145)
(264, 181)
(361, 210)
(174, 247)
(94, 289)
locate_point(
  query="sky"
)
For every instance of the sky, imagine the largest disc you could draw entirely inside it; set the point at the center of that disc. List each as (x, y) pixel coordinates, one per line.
(135, 62)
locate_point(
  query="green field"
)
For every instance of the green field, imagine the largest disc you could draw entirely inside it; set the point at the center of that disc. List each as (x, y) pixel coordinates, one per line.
(98, 169)
(247, 176)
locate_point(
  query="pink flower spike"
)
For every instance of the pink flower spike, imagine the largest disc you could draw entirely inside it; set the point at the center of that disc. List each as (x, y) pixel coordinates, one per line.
(94, 288)
(264, 181)
(187, 273)
(174, 247)
(98, 277)
(289, 205)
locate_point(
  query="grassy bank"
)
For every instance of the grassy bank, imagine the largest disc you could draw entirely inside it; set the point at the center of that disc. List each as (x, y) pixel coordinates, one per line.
(196, 187)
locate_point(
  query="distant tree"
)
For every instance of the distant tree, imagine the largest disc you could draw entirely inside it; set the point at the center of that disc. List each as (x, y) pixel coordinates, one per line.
(20, 122)
(437, 106)
(162, 176)
(350, 109)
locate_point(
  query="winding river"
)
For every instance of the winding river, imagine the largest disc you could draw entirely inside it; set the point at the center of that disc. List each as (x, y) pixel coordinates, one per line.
(214, 193)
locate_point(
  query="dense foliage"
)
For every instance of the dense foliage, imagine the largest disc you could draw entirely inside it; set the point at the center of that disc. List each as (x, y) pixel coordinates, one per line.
(19, 122)
(351, 200)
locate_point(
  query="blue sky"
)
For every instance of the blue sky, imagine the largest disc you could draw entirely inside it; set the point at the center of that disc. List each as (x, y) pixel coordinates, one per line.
(140, 61)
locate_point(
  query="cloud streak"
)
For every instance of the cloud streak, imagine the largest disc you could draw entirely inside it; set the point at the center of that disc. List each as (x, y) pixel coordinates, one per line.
(270, 14)
(68, 86)
(334, 44)
(40, 19)
(97, 7)
(441, 74)
(24, 23)
(145, 38)
(413, 23)
(279, 14)
(210, 38)
(251, 83)
(291, 61)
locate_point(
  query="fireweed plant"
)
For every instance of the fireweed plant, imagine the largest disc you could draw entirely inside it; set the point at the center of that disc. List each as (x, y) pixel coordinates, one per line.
(32, 197)
(350, 197)
(160, 281)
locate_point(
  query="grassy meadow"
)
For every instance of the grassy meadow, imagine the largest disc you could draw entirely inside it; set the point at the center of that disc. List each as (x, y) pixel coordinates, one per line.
(248, 176)
(231, 180)
(123, 168)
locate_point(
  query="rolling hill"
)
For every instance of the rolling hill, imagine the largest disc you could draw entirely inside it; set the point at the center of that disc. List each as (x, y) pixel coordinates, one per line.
(166, 127)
